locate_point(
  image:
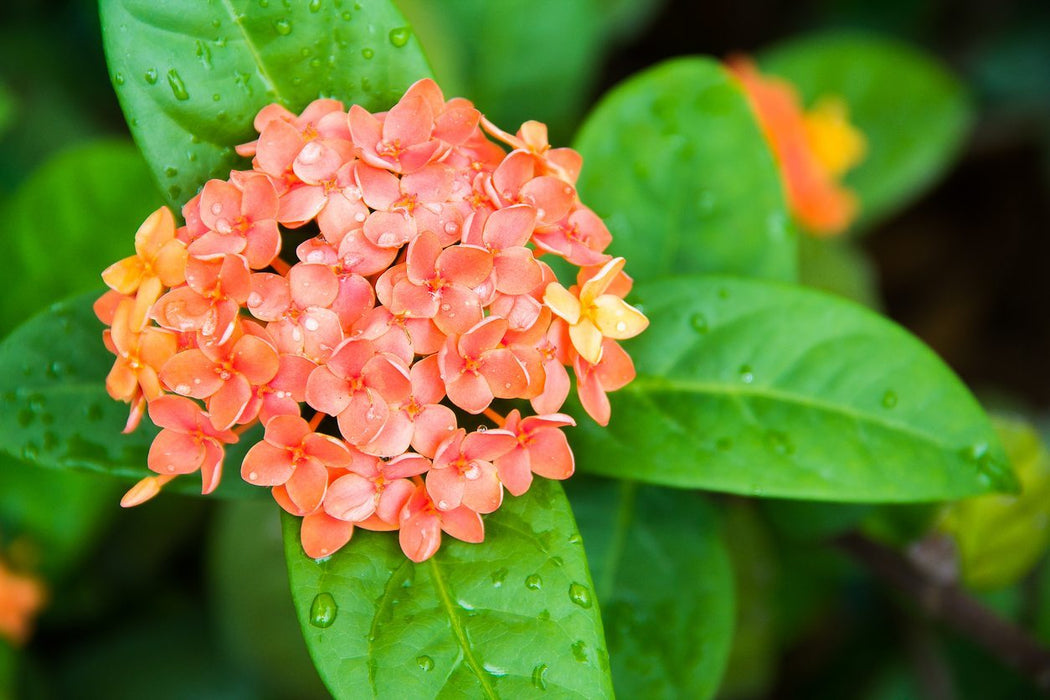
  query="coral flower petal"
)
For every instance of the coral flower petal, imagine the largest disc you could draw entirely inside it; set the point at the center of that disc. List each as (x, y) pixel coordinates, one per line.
(267, 465)
(322, 535)
(351, 497)
(228, 403)
(445, 487)
(307, 485)
(420, 536)
(463, 524)
(175, 453)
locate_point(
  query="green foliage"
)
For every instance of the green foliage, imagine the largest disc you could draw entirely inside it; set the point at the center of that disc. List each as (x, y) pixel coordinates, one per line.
(191, 78)
(248, 583)
(523, 59)
(765, 389)
(54, 409)
(1000, 538)
(839, 266)
(56, 515)
(71, 219)
(914, 114)
(664, 582)
(510, 617)
(675, 163)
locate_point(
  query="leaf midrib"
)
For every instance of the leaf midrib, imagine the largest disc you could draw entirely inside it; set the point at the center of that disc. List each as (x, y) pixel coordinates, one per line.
(647, 384)
(457, 630)
(254, 52)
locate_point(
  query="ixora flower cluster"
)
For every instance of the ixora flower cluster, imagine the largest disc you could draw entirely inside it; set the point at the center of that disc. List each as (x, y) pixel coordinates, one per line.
(814, 148)
(416, 289)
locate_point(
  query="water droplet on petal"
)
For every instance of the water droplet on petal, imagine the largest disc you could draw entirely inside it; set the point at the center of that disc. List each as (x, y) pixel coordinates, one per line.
(254, 299)
(533, 582)
(472, 472)
(580, 595)
(216, 209)
(443, 505)
(182, 389)
(310, 153)
(451, 227)
(311, 324)
(252, 476)
(323, 610)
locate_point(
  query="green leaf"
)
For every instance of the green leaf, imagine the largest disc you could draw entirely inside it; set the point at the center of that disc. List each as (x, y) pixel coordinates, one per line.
(91, 220)
(1001, 538)
(59, 536)
(675, 163)
(191, 77)
(248, 586)
(510, 617)
(767, 389)
(664, 582)
(55, 412)
(913, 112)
(838, 265)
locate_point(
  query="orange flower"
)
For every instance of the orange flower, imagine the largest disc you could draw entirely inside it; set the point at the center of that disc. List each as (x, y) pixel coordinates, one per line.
(814, 149)
(21, 597)
(159, 262)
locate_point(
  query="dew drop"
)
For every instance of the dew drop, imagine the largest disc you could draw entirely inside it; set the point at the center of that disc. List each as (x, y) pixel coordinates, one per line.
(425, 663)
(216, 208)
(575, 538)
(30, 451)
(889, 399)
(254, 299)
(483, 428)
(252, 476)
(443, 505)
(283, 26)
(451, 227)
(360, 217)
(315, 5)
(533, 582)
(472, 472)
(310, 153)
(747, 375)
(779, 443)
(170, 171)
(499, 576)
(178, 88)
(118, 78)
(346, 15)
(539, 679)
(580, 595)
(323, 610)
(699, 323)
(367, 54)
(446, 307)
(399, 36)
(311, 324)
(182, 389)
(579, 651)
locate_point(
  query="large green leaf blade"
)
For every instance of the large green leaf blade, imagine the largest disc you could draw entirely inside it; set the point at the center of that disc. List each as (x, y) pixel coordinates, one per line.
(191, 77)
(913, 112)
(676, 164)
(664, 581)
(510, 617)
(767, 389)
(55, 412)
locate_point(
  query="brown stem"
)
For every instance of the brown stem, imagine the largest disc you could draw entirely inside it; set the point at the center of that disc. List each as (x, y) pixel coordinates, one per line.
(948, 603)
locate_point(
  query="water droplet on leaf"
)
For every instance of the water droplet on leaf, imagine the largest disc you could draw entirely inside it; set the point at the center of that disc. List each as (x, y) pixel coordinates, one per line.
(323, 610)
(579, 651)
(399, 36)
(580, 595)
(747, 375)
(151, 76)
(425, 663)
(534, 582)
(889, 399)
(178, 88)
(283, 27)
(538, 676)
(367, 54)
(699, 323)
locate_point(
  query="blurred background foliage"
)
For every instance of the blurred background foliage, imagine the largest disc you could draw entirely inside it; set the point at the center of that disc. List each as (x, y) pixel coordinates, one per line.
(163, 601)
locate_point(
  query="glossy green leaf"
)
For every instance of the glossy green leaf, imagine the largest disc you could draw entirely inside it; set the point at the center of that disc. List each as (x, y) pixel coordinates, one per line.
(913, 112)
(248, 586)
(676, 165)
(55, 412)
(664, 582)
(91, 220)
(772, 390)
(8, 107)
(1001, 538)
(510, 617)
(191, 77)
